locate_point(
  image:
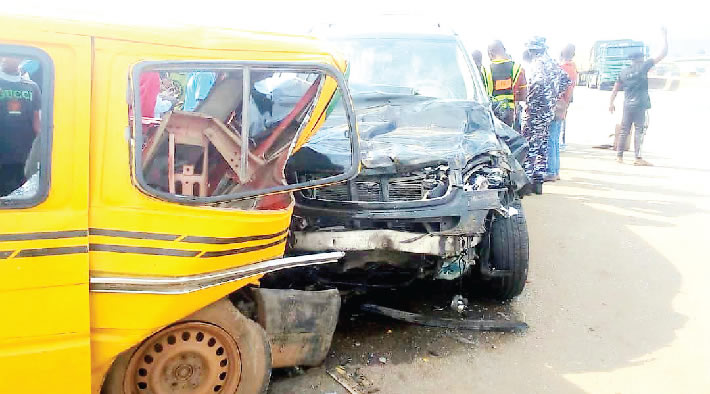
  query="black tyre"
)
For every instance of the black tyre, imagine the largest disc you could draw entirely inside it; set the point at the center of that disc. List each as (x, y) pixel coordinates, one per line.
(508, 254)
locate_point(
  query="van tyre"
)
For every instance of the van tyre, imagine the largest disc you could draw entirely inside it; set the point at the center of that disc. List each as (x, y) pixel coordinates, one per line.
(206, 338)
(508, 251)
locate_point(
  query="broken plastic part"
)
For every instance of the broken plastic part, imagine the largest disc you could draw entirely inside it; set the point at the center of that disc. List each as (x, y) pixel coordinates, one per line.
(508, 212)
(452, 269)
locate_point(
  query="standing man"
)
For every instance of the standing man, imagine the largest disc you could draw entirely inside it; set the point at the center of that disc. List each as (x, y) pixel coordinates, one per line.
(477, 58)
(634, 81)
(546, 84)
(20, 106)
(505, 82)
(567, 64)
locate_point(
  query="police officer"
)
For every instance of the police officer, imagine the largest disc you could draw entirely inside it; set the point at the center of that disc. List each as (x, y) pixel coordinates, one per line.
(547, 82)
(505, 82)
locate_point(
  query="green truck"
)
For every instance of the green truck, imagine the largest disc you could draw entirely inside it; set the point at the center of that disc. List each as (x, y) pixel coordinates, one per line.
(606, 59)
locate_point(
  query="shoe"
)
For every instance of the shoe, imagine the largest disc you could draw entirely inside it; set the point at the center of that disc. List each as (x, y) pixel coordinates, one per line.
(557, 177)
(642, 162)
(550, 178)
(620, 160)
(537, 187)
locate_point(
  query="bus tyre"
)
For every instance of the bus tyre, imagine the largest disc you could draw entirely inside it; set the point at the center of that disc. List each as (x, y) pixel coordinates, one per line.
(509, 253)
(217, 349)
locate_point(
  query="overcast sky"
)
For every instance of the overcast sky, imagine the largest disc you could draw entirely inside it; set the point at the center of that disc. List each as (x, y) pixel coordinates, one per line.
(477, 22)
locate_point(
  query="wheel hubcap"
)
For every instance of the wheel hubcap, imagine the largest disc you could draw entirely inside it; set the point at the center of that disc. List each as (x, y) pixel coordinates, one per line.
(187, 358)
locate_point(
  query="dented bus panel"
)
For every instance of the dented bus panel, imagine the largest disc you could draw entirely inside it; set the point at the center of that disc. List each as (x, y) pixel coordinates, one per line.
(143, 197)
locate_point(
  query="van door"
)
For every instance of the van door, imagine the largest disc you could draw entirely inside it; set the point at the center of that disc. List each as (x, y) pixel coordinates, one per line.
(45, 90)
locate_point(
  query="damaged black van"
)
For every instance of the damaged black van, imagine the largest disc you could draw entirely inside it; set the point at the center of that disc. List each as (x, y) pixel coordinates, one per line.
(437, 192)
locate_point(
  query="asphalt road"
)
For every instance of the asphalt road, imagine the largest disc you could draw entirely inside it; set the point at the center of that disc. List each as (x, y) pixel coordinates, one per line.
(617, 299)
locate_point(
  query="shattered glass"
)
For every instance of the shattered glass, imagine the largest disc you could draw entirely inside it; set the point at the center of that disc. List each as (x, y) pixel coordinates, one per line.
(28, 190)
(199, 146)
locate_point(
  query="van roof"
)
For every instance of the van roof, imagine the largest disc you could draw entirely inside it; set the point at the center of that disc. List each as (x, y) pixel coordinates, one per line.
(191, 36)
(386, 26)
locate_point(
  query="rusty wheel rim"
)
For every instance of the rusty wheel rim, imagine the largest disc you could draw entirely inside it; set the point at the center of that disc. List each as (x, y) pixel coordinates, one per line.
(187, 358)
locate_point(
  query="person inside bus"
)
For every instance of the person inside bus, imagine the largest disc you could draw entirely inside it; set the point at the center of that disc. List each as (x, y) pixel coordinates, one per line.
(20, 108)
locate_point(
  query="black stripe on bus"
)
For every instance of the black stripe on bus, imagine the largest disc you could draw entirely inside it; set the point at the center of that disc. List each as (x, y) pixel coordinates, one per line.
(43, 235)
(133, 234)
(51, 251)
(143, 250)
(219, 253)
(232, 240)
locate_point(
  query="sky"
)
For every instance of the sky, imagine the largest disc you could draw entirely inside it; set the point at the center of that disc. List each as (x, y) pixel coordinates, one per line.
(476, 22)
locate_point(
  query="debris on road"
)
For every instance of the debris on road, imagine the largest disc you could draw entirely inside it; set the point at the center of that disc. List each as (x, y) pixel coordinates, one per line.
(463, 340)
(353, 382)
(432, 321)
(459, 303)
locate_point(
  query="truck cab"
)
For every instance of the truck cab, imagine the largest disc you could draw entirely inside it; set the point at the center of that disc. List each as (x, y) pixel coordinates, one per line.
(607, 59)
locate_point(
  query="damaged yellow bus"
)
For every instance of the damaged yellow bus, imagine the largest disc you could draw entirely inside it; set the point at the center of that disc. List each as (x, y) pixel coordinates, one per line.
(145, 191)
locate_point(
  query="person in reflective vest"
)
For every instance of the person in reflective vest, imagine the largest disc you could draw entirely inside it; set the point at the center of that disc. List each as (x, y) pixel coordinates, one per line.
(505, 82)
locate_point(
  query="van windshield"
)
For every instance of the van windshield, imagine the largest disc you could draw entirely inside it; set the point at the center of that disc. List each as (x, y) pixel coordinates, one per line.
(427, 67)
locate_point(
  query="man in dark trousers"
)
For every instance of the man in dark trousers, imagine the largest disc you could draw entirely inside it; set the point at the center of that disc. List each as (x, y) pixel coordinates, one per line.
(634, 81)
(20, 105)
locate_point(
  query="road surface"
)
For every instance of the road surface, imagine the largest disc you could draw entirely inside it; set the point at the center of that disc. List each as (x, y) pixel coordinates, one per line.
(618, 293)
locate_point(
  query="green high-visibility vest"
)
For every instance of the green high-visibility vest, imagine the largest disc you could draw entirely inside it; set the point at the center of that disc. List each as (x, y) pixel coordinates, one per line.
(500, 80)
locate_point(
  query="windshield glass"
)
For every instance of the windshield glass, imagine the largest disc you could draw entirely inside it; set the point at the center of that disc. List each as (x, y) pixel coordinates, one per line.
(406, 66)
(622, 51)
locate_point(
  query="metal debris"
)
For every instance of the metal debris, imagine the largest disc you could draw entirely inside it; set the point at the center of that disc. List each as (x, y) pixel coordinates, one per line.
(432, 321)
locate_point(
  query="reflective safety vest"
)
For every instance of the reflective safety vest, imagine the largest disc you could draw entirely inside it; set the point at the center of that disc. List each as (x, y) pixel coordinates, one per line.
(501, 79)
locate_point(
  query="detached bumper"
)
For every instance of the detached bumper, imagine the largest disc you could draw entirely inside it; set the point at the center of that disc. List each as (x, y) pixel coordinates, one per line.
(370, 240)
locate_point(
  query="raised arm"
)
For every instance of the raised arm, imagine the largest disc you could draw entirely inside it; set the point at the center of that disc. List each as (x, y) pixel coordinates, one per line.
(664, 51)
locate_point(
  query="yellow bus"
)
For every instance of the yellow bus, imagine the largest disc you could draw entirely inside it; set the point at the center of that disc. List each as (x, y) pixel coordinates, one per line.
(145, 191)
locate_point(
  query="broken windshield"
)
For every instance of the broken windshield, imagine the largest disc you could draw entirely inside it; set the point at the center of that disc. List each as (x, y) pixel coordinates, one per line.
(405, 66)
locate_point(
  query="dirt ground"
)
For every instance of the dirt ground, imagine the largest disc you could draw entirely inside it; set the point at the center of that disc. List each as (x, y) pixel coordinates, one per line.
(617, 297)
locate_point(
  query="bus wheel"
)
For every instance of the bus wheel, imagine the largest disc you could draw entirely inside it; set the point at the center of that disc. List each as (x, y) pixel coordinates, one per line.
(191, 357)
(223, 352)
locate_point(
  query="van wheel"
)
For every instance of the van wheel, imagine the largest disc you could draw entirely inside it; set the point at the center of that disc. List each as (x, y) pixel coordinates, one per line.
(215, 350)
(509, 254)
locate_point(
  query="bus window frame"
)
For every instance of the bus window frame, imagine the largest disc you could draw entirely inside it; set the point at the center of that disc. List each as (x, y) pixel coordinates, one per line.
(246, 67)
(46, 124)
